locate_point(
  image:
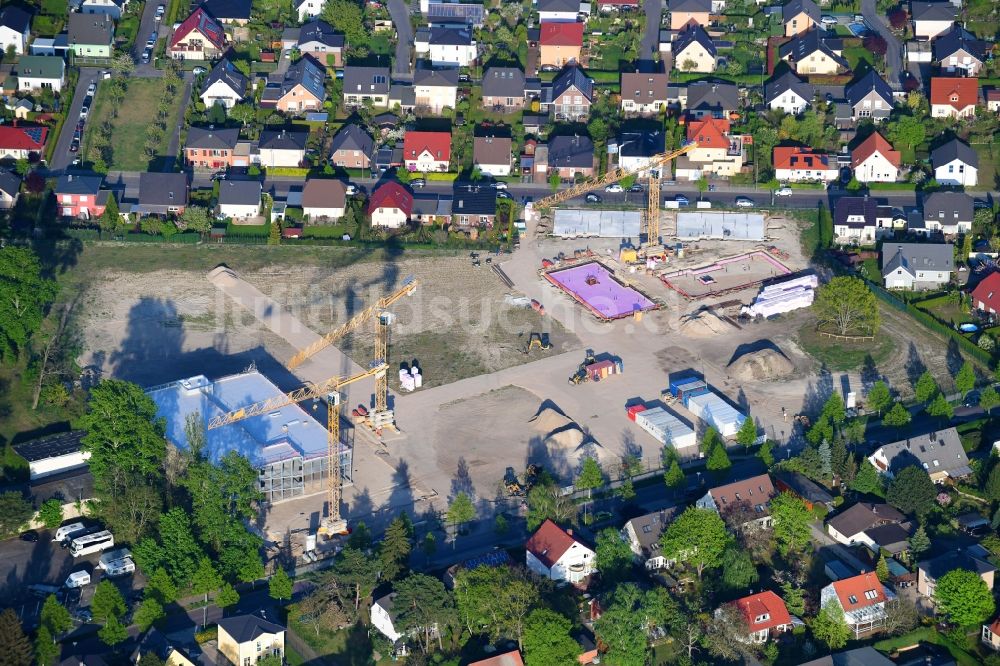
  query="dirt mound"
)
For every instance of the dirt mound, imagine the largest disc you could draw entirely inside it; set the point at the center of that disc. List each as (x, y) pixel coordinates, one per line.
(703, 324)
(548, 420)
(567, 439)
(762, 365)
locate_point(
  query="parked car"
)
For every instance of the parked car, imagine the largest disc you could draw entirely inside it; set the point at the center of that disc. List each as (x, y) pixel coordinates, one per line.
(636, 188)
(828, 20)
(464, 78)
(783, 192)
(83, 615)
(340, 73)
(682, 200)
(351, 190)
(593, 198)
(78, 579)
(74, 145)
(503, 195)
(499, 185)
(153, 35)
(614, 188)
(197, 71)
(29, 536)
(84, 110)
(80, 125)
(417, 183)
(145, 56)
(219, 175)
(161, 10)
(91, 89)
(744, 202)
(150, 44)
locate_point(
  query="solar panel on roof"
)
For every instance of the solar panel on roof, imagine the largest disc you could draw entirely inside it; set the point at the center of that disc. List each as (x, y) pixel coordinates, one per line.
(35, 133)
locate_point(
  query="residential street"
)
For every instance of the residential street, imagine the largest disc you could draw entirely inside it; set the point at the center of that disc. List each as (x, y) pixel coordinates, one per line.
(651, 36)
(894, 49)
(146, 27)
(402, 68)
(62, 158)
(174, 146)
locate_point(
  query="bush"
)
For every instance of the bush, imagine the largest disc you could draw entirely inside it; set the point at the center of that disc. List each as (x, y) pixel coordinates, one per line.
(207, 634)
(51, 513)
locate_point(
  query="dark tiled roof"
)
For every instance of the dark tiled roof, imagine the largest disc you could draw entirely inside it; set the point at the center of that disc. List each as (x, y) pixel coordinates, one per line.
(864, 516)
(9, 182)
(436, 77)
(572, 76)
(450, 36)
(473, 199)
(322, 32)
(694, 33)
(866, 84)
(15, 18)
(210, 138)
(571, 151)
(366, 80)
(913, 257)
(775, 88)
(503, 82)
(239, 192)
(956, 206)
(796, 7)
(228, 9)
(226, 72)
(283, 140)
(954, 150)
(800, 48)
(72, 183)
(641, 144)
(353, 137)
(51, 446)
(245, 628)
(162, 189)
(558, 5)
(933, 11)
(690, 5)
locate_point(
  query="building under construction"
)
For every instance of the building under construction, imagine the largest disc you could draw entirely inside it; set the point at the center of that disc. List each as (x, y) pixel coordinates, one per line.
(287, 445)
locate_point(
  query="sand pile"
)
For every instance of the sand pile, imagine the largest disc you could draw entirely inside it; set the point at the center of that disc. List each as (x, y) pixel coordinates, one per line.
(567, 439)
(763, 365)
(703, 324)
(549, 419)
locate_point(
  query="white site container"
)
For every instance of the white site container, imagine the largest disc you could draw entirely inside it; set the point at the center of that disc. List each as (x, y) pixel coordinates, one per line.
(716, 412)
(666, 428)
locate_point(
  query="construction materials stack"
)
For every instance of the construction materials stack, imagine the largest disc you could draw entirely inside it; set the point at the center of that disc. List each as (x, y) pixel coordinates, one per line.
(410, 379)
(783, 297)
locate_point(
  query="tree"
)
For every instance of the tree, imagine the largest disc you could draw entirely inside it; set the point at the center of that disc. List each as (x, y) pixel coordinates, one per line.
(925, 388)
(554, 181)
(113, 632)
(111, 217)
(243, 114)
(879, 397)
(24, 295)
(227, 596)
(875, 43)
(195, 218)
(900, 616)
(15, 512)
(897, 18)
(791, 519)
(394, 549)
(421, 603)
(546, 502)
(613, 556)
(627, 490)
(150, 659)
(825, 458)
(738, 570)
(697, 537)
(794, 598)
(46, 648)
(940, 407)
(766, 453)
(963, 597)
(280, 585)
(356, 570)
(882, 569)
(547, 640)
(747, 434)
(623, 627)
(160, 587)
(495, 600)
(55, 617)
(726, 634)
(107, 602)
(988, 399)
(122, 63)
(205, 579)
(834, 409)
(14, 645)
(920, 543)
(912, 491)
(848, 306)
(830, 627)
(346, 17)
(181, 551)
(702, 185)
(718, 459)
(897, 417)
(149, 612)
(590, 476)
(674, 476)
(907, 131)
(461, 511)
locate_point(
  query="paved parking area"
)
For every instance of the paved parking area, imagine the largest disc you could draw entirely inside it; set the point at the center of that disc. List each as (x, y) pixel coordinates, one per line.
(62, 158)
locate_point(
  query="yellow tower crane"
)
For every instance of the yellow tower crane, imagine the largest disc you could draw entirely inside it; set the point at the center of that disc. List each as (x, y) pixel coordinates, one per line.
(653, 202)
(330, 391)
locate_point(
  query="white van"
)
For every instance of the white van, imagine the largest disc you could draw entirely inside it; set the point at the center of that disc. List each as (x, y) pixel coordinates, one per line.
(64, 532)
(77, 579)
(91, 543)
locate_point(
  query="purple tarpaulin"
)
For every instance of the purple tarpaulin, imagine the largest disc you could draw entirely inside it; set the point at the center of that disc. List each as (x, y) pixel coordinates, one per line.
(596, 287)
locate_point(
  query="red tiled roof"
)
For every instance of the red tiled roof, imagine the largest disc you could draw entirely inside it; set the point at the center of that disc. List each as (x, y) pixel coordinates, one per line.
(391, 195)
(201, 21)
(855, 588)
(988, 291)
(956, 92)
(561, 34)
(23, 138)
(549, 543)
(755, 490)
(875, 144)
(512, 658)
(758, 605)
(438, 144)
(801, 158)
(709, 133)
(993, 95)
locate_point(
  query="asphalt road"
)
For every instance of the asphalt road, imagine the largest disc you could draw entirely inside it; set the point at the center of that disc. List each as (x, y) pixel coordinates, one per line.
(146, 27)
(651, 35)
(894, 49)
(61, 157)
(402, 69)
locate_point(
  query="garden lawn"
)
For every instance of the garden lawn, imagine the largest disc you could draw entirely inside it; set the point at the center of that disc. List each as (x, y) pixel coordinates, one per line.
(945, 310)
(134, 115)
(856, 54)
(928, 635)
(843, 354)
(988, 154)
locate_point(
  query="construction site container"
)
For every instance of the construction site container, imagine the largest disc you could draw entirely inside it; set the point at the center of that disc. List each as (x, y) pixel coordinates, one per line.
(716, 412)
(603, 369)
(633, 410)
(680, 387)
(666, 428)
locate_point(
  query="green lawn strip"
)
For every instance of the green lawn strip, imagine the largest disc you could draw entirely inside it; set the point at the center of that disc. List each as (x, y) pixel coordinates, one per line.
(987, 164)
(928, 635)
(843, 354)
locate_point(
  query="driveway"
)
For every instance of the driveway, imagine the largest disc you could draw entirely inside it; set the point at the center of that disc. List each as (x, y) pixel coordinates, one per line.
(146, 28)
(176, 136)
(894, 48)
(400, 12)
(61, 158)
(650, 43)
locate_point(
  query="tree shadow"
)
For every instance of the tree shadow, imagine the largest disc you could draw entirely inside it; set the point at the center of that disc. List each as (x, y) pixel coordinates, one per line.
(953, 357)
(462, 481)
(914, 365)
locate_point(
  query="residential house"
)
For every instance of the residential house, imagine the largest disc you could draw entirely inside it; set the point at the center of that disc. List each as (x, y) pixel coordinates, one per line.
(444, 12)
(199, 37)
(863, 656)
(712, 99)
(870, 97)
(282, 148)
(799, 16)
(955, 163)
(90, 35)
(875, 161)
(153, 643)
(302, 89)
(402, 95)
(162, 193)
(796, 164)
(948, 212)
(432, 209)
(385, 618)
(686, 12)
(112, 8)
(229, 12)
(960, 52)
(557, 10)
(10, 189)
(607, 6)
(694, 50)
(512, 658)
(931, 19)
(939, 452)
(570, 96)
(571, 155)
(643, 536)
(991, 634)
(427, 151)
(636, 149)
(224, 85)
(917, 266)
(239, 199)
(40, 73)
(80, 196)
(559, 44)
(953, 97)
(974, 558)
(15, 29)
(390, 206)
(644, 94)
(992, 96)
(447, 46)
(492, 155)
(324, 199)
(789, 93)
(744, 500)
(22, 141)
(318, 39)
(814, 52)
(552, 552)
(503, 89)
(435, 90)
(473, 205)
(366, 84)
(719, 152)
(860, 220)
(766, 615)
(986, 295)
(211, 148)
(804, 488)
(352, 148)
(861, 599)
(307, 9)
(245, 639)
(851, 525)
